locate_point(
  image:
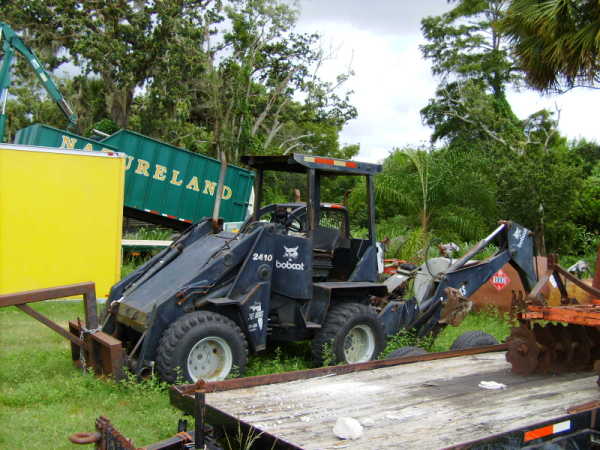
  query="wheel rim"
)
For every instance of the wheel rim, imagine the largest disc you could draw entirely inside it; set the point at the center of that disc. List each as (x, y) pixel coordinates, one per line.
(359, 344)
(209, 359)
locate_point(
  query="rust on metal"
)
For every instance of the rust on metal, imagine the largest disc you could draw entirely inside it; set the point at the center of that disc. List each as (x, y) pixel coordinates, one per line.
(588, 315)
(188, 390)
(102, 352)
(523, 351)
(107, 437)
(576, 409)
(576, 281)
(39, 295)
(85, 438)
(456, 308)
(570, 343)
(552, 348)
(50, 324)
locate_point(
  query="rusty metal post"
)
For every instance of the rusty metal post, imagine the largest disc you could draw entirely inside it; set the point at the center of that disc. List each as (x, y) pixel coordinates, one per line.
(200, 418)
(104, 352)
(91, 308)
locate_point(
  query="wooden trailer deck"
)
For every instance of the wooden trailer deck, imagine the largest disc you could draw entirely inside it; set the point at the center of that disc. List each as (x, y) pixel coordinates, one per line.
(429, 404)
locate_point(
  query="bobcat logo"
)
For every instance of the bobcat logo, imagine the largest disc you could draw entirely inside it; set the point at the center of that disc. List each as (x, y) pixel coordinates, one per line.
(290, 252)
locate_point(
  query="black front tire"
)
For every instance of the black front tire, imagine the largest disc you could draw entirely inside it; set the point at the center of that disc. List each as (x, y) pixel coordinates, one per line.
(408, 350)
(472, 339)
(201, 344)
(352, 333)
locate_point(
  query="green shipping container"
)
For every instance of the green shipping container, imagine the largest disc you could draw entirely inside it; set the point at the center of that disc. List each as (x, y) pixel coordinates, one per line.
(164, 184)
(46, 136)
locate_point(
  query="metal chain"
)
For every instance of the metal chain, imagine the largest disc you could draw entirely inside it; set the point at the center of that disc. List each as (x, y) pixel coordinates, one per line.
(81, 352)
(82, 334)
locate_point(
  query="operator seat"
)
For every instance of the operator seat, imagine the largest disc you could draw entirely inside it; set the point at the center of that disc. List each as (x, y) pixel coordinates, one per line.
(325, 241)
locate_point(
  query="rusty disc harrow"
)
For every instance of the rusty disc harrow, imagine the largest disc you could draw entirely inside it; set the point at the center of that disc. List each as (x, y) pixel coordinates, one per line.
(552, 348)
(523, 351)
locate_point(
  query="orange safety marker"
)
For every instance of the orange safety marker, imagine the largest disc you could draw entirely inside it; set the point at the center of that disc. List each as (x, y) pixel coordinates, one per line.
(330, 161)
(548, 430)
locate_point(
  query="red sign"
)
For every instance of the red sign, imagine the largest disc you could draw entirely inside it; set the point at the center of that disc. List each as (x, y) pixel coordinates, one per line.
(500, 280)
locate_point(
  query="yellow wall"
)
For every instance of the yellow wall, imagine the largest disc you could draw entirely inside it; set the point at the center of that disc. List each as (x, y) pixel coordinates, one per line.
(60, 218)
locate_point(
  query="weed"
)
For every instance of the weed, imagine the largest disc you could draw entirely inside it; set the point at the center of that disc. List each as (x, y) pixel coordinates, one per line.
(489, 320)
(405, 338)
(234, 372)
(328, 356)
(283, 358)
(133, 384)
(242, 441)
(150, 234)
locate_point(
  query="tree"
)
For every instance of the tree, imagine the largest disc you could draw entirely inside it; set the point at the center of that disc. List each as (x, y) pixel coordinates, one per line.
(210, 75)
(251, 89)
(439, 191)
(555, 41)
(525, 164)
(475, 67)
(463, 44)
(122, 43)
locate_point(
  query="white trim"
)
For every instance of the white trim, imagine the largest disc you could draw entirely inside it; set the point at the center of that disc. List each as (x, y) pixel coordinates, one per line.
(562, 426)
(32, 148)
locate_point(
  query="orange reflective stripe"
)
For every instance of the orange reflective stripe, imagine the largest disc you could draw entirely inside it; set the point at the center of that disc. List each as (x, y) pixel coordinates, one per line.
(547, 430)
(539, 433)
(330, 162)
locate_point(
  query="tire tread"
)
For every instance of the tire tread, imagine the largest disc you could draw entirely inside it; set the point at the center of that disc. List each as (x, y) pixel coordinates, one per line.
(169, 369)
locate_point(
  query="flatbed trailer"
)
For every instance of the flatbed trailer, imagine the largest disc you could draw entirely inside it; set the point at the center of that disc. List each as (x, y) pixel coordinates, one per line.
(426, 404)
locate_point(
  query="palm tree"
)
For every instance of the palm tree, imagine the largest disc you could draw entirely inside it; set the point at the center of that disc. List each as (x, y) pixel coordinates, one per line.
(556, 42)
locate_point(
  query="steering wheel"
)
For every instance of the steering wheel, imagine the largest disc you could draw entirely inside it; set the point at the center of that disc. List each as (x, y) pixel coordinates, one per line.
(293, 224)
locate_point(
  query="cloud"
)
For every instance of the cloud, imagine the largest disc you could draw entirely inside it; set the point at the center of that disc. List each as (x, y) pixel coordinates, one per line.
(392, 81)
(376, 16)
(380, 40)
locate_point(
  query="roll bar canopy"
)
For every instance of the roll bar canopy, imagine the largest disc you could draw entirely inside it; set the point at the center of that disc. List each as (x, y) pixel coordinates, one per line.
(300, 163)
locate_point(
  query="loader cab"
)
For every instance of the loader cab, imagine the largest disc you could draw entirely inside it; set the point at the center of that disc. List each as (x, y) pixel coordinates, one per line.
(336, 255)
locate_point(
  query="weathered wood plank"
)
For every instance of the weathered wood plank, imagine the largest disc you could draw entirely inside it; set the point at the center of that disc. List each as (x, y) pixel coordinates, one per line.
(429, 404)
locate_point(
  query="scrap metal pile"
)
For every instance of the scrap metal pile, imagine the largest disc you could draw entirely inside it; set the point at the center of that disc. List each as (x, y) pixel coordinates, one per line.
(556, 339)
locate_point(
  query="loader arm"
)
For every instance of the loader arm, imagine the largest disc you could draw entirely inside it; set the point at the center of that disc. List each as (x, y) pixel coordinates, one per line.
(12, 43)
(515, 247)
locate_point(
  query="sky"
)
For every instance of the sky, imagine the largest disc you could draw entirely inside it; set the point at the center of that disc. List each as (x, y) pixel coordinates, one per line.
(379, 40)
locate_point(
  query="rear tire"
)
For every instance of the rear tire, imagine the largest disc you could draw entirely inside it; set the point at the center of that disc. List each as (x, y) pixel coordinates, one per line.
(201, 345)
(403, 352)
(471, 339)
(352, 333)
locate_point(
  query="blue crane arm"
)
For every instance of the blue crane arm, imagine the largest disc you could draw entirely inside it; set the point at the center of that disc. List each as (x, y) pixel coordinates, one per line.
(11, 43)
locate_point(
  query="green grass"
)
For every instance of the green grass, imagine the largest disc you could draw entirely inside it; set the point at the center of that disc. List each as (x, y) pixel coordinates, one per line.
(150, 234)
(44, 398)
(282, 358)
(489, 321)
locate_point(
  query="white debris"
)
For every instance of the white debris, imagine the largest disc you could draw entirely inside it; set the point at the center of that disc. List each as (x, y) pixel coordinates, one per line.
(491, 385)
(305, 419)
(347, 428)
(393, 417)
(368, 422)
